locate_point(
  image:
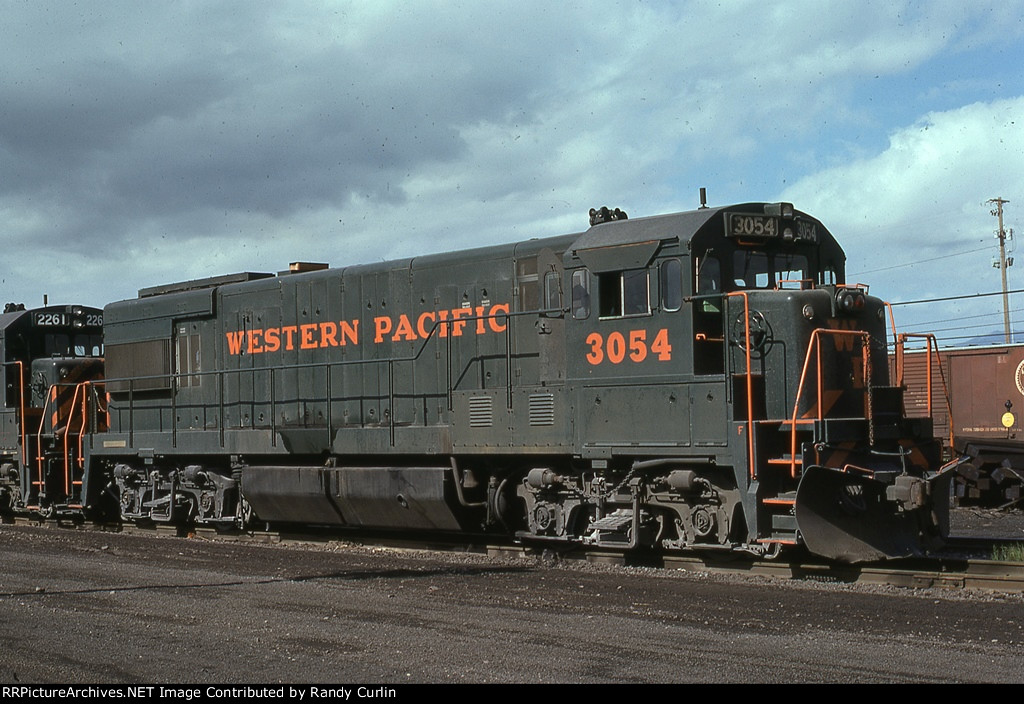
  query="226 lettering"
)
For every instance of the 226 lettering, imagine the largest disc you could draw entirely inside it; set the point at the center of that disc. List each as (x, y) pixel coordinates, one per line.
(617, 347)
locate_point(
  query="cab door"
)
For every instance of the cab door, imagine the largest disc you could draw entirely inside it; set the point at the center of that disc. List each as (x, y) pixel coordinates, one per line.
(550, 324)
(541, 410)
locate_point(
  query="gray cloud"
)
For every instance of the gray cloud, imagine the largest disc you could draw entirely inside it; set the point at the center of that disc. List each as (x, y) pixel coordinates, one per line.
(146, 142)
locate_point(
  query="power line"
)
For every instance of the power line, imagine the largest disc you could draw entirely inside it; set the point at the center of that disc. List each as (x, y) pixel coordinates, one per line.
(919, 327)
(962, 317)
(920, 261)
(954, 298)
(949, 340)
(1014, 336)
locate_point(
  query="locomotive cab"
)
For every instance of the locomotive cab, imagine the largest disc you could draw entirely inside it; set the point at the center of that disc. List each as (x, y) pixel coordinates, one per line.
(729, 338)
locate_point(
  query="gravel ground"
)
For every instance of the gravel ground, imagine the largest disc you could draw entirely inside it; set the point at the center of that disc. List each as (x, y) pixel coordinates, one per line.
(83, 606)
(986, 522)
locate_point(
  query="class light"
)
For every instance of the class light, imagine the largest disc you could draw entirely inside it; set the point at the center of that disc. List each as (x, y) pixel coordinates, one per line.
(851, 301)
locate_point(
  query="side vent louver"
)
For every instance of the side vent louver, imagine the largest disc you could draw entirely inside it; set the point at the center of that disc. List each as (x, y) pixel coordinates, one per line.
(542, 409)
(481, 412)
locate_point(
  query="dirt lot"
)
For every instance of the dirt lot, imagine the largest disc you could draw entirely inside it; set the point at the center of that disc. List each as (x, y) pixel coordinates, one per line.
(82, 606)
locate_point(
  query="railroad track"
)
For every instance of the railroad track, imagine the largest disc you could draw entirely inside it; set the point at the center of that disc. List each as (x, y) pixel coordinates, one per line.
(960, 568)
(956, 570)
(916, 574)
(953, 571)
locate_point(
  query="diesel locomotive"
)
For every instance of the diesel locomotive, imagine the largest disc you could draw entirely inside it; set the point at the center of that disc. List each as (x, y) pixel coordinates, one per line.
(52, 371)
(699, 380)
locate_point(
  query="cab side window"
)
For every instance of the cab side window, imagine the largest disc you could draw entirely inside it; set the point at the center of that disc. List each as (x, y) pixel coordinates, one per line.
(709, 282)
(828, 276)
(528, 282)
(580, 294)
(670, 281)
(623, 293)
(552, 291)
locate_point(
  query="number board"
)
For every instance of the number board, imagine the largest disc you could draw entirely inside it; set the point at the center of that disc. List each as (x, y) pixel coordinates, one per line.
(746, 225)
(806, 231)
(751, 225)
(50, 319)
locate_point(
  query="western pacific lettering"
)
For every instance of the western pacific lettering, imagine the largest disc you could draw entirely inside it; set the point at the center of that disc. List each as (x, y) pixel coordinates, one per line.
(457, 322)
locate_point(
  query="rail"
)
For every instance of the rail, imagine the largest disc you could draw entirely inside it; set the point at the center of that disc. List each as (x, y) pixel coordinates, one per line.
(814, 345)
(751, 468)
(40, 484)
(813, 352)
(63, 433)
(932, 350)
(748, 374)
(892, 318)
(21, 418)
(69, 480)
(36, 467)
(814, 349)
(85, 389)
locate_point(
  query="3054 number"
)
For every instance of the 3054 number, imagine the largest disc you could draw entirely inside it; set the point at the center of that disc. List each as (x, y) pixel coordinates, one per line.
(617, 347)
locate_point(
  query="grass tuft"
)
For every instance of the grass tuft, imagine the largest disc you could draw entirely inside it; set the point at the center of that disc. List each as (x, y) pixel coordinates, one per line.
(1013, 552)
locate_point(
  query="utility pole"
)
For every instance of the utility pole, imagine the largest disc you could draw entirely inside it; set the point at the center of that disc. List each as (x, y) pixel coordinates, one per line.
(1001, 234)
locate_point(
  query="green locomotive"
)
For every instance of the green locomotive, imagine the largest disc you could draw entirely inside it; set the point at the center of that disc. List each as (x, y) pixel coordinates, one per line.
(705, 379)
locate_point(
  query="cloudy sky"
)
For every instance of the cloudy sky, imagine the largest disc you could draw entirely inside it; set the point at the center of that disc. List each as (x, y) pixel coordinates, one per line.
(148, 142)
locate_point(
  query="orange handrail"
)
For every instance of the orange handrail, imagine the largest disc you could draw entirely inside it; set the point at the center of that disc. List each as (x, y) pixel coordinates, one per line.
(930, 340)
(52, 393)
(85, 417)
(750, 383)
(80, 389)
(892, 318)
(68, 482)
(814, 346)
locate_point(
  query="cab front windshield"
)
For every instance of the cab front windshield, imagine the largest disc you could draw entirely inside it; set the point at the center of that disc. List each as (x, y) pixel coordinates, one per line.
(758, 269)
(73, 345)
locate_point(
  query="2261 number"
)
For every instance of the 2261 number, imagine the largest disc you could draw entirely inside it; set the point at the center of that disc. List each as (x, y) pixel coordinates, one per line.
(618, 347)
